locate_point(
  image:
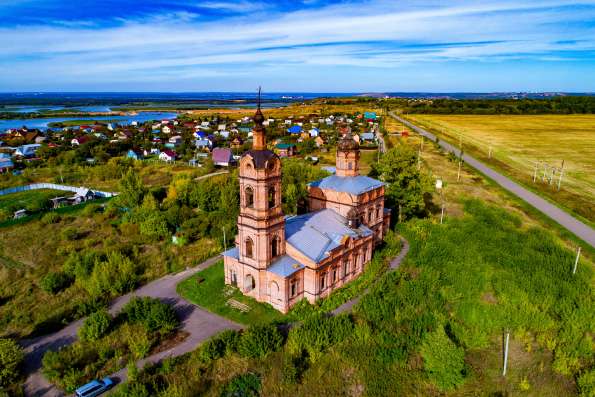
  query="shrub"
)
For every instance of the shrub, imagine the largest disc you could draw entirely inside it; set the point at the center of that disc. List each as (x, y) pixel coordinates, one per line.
(586, 383)
(260, 340)
(70, 233)
(245, 385)
(318, 333)
(95, 326)
(50, 217)
(444, 362)
(54, 282)
(115, 275)
(152, 314)
(11, 358)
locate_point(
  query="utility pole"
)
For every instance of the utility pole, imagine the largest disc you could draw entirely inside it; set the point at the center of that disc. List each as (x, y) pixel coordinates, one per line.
(224, 240)
(560, 178)
(578, 255)
(505, 353)
(459, 172)
(490, 152)
(535, 171)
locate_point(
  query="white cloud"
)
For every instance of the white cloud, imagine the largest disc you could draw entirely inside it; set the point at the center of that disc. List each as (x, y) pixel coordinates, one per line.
(186, 46)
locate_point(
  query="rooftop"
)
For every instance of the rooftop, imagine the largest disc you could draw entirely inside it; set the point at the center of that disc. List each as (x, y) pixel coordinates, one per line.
(348, 184)
(317, 233)
(285, 266)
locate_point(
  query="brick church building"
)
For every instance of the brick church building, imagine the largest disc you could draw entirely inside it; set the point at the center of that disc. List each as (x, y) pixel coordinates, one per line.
(282, 259)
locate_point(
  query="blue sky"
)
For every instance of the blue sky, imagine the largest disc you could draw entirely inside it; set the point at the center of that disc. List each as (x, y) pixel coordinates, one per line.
(299, 45)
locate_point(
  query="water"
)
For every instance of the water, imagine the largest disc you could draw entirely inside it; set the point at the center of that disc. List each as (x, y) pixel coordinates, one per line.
(42, 124)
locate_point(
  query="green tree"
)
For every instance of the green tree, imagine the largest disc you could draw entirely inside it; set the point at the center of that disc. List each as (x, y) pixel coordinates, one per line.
(407, 186)
(260, 340)
(95, 326)
(444, 362)
(11, 358)
(132, 190)
(114, 275)
(245, 385)
(154, 225)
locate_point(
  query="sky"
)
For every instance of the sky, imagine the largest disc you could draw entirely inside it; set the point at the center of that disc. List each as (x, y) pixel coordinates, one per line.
(297, 45)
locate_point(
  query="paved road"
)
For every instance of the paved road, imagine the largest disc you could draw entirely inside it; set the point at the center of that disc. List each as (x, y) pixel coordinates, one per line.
(572, 224)
(394, 263)
(199, 323)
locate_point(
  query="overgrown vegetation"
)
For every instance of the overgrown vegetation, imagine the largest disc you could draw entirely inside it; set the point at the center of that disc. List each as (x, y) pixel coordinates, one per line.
(106, 343)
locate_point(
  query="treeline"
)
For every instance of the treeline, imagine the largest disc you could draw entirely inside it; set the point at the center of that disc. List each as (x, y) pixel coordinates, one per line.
(557, 105)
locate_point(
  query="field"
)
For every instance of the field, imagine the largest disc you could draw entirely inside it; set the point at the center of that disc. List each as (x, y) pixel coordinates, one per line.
(28, 199)
(524, 145)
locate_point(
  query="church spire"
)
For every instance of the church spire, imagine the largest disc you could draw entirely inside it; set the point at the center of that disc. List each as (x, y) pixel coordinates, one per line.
(259, 133)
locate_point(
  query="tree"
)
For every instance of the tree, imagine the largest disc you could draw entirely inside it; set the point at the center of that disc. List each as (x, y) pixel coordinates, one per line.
(95, 326)
(132, 190)
(444, 362)
(154, 225)
(407, 186)
(260, 340)
(11, 358)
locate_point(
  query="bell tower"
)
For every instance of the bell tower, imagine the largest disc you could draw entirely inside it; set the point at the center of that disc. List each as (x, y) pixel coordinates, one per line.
(347, 162)
(261, 224)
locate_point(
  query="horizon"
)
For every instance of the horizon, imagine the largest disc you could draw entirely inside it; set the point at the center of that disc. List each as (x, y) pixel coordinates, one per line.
(308, 46)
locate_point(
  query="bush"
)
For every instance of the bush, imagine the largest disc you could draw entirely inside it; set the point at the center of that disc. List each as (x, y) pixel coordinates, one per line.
(50, 217)
(115, 275)
(217, 347)
(95, 326)
(11, 358)
(54, 282)
(153, 314)
(444, 362)
(318, 333)
(586, 383)
(70, 234)
(246, 385)
(260, 340)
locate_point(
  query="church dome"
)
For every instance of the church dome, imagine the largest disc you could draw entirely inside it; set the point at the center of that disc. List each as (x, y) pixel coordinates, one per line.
(348, 143)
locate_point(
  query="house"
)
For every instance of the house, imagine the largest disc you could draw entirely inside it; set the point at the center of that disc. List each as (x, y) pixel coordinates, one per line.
(314, 132)
(20, 214)
(370, 116)
(155, 151)
(222, 157)
(319, 141)
(295, 129)
(237, 142)
(167, 155)
(124, 135)
(199, 134)
(221, 127)
(27, 151)
(166, 129)
(286, 149)
(205, 124)
(176, 140)
(287, 122)
(368, 137)
(203, 144)
(224, 134)
(6, 163)
(135, 154)
(40, 139)
(281, 260)
(80, 140)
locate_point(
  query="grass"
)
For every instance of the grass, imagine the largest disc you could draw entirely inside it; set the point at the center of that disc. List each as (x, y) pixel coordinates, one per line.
(209, 293)
(519, 142)
(25, 199)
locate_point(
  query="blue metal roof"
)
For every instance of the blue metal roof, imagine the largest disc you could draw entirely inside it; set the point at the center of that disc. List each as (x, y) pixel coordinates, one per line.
(232, 253)
(349, 184)
(295, 129)
(317, 233)
(285, 266)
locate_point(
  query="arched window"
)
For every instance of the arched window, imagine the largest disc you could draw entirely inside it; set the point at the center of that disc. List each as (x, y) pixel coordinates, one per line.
(275, 291)
(249, 250)
(274, 247)
(355, 264)
(294, 287)
(322, 281)
(370, 215)
(378, 212)
(272, 198)
(249, 283)
(249, 197)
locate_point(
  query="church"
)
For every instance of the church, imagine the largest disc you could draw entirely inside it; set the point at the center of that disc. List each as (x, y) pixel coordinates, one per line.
(281, 259)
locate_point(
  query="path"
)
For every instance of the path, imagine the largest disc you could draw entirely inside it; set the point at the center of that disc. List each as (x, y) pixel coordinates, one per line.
(199, 323)
(394, 264)
(211, 174)
(572, 224)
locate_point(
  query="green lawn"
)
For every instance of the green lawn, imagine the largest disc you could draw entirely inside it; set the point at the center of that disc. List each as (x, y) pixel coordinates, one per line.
(209, 294)
(29, 199)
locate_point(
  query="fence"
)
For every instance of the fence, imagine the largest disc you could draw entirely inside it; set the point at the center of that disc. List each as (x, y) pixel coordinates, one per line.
(36, 186)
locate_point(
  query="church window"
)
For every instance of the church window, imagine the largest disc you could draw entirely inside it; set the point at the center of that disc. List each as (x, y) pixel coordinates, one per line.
(378, 212)
(249, 248)
(345, 268)
(350, 165)
(249, 197)
(274, 247)
(355, 258)
(272, 200)
(334, 275)
(322, 281)
(294, 287)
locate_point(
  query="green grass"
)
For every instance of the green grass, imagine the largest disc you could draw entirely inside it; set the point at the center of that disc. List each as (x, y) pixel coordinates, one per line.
(209, 294)
(25, 199)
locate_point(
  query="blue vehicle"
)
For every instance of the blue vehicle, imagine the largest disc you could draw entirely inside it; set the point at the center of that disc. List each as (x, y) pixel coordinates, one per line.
(94, 388)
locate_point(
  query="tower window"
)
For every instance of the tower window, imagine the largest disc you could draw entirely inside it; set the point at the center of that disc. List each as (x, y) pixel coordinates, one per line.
(249, 197)
(249, 248)
(350, 165)
(274, 247)
(272, 200)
